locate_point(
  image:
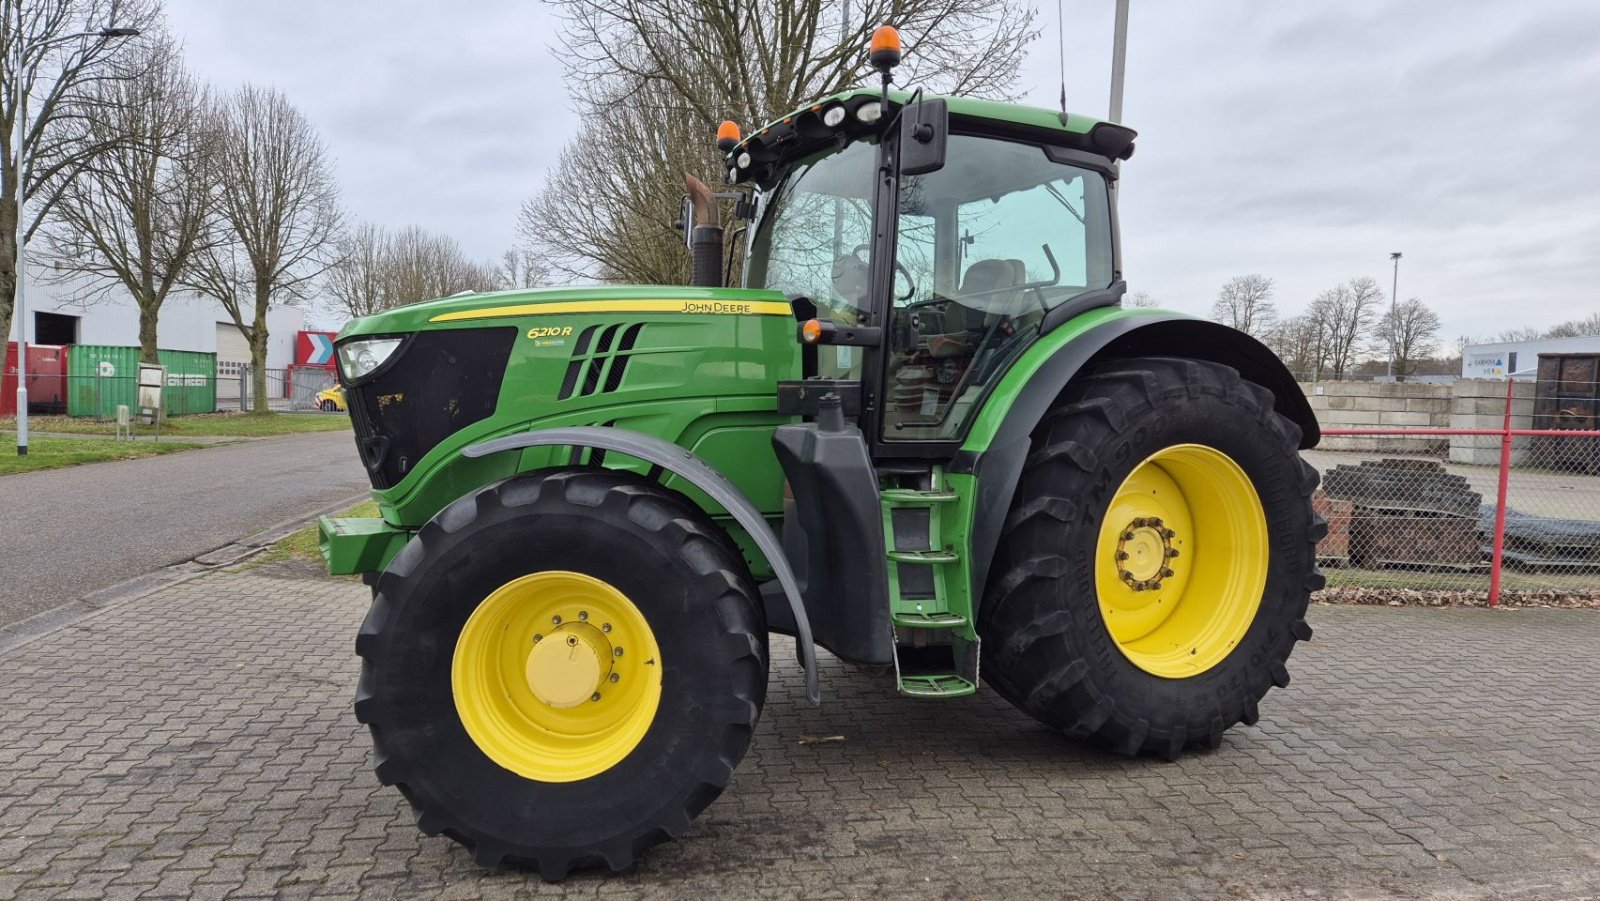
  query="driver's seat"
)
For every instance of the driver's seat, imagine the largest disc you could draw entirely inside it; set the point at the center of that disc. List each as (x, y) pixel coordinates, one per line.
(981, 296)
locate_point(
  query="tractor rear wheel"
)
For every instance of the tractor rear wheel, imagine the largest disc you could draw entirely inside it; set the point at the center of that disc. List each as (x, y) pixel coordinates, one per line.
(563, 669)
(1155, 567)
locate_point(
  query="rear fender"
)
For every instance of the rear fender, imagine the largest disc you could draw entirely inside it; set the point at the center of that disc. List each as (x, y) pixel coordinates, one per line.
(998, 443)
(672, 458)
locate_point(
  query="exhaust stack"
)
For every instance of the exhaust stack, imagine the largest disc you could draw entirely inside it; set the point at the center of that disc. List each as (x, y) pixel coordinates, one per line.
(705, 235)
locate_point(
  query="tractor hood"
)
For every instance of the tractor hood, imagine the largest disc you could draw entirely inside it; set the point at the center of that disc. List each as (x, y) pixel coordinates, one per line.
(504, 306)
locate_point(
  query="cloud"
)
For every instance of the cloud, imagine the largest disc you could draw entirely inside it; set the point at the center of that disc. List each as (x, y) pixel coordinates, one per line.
(1303, 141)
(1307, 142)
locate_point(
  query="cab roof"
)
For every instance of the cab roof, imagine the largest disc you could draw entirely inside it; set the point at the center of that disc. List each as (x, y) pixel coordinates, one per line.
(803, 131)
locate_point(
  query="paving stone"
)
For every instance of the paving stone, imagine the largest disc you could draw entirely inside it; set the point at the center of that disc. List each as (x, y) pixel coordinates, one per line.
(198, 743)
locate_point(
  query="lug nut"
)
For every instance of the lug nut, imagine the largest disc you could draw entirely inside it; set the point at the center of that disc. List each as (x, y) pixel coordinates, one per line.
(1167, 573)
(583, 615)
(1127, 536)
(572, 641)
(556, 619)
(1167, 533)
(1122, 555)
(1155, 521)
(537, 638)
(617, 652)
(1127, 577)
(1172, 552)
(595, 696)
(606, 627)
(1139, 586)
(1153, 586)
(615, 677)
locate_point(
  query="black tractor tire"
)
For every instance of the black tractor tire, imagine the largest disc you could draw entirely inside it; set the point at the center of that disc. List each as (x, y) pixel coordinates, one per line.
(693, 588)
(1046, 646)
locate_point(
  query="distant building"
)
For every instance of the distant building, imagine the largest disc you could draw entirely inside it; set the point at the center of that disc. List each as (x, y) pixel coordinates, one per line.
(1518, 359)
(188, 322)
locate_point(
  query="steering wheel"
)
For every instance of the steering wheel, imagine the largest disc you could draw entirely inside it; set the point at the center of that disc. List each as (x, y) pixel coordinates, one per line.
(855, 257)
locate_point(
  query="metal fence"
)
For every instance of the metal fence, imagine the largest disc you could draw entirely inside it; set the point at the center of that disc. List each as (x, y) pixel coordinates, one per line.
(1461, 514)
(291, 390)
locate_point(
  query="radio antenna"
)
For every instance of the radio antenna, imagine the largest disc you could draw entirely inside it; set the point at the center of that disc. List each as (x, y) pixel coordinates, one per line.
(1061, 57)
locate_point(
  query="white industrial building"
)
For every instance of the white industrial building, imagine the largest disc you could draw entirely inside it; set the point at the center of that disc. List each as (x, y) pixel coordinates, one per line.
(187, 322)
(1519, 359)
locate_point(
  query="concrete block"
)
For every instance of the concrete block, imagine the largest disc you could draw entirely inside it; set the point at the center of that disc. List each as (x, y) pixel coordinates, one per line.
(1418, 420)
(1378, 404)
(1351, 418)
(1438, 405)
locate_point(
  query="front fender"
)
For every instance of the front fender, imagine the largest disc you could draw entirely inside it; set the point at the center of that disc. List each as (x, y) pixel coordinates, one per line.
(998, 442)
(672, 458)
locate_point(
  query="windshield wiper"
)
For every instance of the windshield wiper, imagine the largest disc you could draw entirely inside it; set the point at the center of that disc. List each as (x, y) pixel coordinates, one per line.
(1056, 193)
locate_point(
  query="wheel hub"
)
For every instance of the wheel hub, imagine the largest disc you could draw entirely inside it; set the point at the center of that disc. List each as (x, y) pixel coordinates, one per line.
(567, 667)
(1145, 554)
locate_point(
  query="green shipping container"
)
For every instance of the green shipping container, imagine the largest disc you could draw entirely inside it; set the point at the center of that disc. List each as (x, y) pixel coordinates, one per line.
(100, 377)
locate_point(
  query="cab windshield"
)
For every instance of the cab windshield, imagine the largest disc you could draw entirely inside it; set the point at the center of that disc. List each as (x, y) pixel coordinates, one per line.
(987, 245)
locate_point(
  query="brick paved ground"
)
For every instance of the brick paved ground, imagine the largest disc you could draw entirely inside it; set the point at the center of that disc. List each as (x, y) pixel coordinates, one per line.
(199, 743)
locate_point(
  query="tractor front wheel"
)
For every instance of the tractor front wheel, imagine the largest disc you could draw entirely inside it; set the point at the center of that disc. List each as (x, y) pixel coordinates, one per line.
(1155, 567)
(563, 669)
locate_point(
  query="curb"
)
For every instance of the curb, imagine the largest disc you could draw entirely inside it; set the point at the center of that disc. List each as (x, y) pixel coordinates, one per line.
(60, 617)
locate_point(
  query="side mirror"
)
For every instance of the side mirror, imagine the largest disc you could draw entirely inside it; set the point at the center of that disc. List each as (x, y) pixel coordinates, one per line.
(685, 221)
(924, 131)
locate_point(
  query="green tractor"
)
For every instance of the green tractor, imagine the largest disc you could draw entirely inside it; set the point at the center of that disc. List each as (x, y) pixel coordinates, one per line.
(924, 435)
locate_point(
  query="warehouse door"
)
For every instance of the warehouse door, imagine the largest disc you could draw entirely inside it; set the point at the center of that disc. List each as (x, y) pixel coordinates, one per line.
(233, 355)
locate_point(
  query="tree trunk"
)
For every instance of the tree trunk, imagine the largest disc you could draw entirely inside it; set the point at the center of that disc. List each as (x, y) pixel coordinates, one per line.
(8, 264)
(258, 352)
(148, 316)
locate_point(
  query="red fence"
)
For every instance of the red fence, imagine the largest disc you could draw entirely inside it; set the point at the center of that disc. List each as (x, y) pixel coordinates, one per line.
(1413, 522)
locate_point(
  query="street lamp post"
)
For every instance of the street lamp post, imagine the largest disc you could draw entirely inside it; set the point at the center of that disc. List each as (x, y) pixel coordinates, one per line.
(19, 135)
(1119, 59)
(1394, 293)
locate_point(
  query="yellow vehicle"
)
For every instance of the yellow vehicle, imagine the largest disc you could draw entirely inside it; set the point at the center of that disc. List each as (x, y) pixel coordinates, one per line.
(331, 400)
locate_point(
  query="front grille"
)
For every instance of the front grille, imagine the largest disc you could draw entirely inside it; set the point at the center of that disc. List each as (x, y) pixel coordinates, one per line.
(602, 368)
(439, 383)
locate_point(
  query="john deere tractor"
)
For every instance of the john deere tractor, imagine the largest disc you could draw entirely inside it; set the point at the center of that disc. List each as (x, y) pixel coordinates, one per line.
(923, 435)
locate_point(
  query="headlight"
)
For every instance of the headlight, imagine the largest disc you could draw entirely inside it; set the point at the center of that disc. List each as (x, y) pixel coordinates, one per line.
(869, 111)
(743, 161)
(358, 358)
(832, 116)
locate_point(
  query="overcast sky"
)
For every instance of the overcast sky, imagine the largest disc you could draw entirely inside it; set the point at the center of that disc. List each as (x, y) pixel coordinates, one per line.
(1301, 140)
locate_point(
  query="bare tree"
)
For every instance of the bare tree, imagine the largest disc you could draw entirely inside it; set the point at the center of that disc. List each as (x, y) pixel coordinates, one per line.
(1346, 314)
(378, 269)
(1409, 333)
(355, 282)
(1301, 342)
(758, 59)
(278, 202)
(1245, 303)
(134, 218)
(653, 77)
(422, 266)
(521, 268)
(1511, 335)
(1140, 300)
(615, 221)
(1576, 328)
(59, 80)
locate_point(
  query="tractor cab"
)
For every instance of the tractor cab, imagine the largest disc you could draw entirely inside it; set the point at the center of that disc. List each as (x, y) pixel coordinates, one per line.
(928, 279)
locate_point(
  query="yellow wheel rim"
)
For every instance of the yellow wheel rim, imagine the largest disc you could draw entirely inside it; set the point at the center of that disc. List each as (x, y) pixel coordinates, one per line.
(556, 676)
(1181, 561)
